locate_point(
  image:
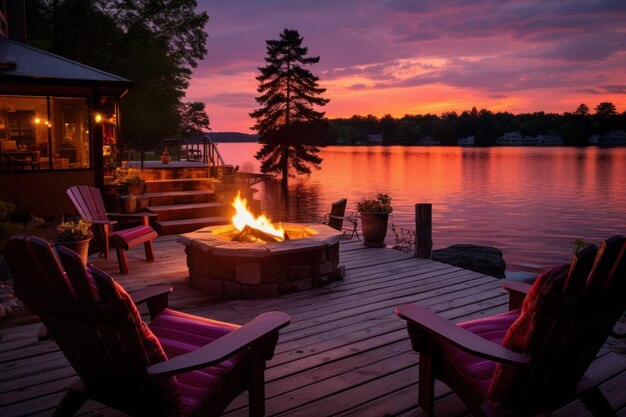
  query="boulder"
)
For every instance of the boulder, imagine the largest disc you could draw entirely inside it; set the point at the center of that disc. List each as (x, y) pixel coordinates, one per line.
(484, 259)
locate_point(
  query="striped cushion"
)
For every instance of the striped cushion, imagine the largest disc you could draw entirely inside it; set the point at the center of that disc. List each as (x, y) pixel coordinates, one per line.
(132, 233)
(180, 333)
(548, 286)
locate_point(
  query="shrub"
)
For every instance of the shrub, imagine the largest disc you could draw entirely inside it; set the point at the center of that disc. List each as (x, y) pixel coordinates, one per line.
(380, 204)
(71, 231)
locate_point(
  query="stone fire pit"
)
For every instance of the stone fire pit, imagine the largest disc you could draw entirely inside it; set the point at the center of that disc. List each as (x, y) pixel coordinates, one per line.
(219, 266)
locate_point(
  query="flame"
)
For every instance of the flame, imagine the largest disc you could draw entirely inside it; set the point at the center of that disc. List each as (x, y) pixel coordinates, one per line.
(243, 217)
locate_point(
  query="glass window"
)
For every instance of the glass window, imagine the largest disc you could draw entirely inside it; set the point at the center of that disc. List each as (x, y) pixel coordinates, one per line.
(70, 132)
(24, 129)
(107, 121)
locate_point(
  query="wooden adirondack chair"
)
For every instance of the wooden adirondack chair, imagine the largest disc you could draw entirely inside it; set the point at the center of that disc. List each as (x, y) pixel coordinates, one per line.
(337, 216)
(178, 365)
(531, 359)
(88, 202)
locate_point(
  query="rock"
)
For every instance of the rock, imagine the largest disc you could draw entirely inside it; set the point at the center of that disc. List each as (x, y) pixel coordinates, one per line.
(484, 259)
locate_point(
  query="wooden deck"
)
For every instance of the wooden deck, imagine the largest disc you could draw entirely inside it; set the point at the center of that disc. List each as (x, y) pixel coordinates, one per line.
(345, 352)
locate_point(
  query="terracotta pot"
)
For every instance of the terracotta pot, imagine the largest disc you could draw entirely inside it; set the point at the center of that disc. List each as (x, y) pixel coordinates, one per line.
(165, 156)
(81, 247)
(374, 228)
(136, 188)
(128, 203)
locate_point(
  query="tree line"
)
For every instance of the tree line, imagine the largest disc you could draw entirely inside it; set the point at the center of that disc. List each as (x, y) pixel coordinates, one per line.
(486, 126)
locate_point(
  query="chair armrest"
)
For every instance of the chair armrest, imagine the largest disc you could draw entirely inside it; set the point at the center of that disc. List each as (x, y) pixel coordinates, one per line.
(517, 292)
(263, 326)
(155, 297)
(103, 221)
(436, 326)
(144, 217)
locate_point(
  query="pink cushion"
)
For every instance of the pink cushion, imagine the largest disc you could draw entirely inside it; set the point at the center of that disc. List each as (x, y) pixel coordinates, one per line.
(547, 288)
(180, 333)
(132, 233)
(478, 370)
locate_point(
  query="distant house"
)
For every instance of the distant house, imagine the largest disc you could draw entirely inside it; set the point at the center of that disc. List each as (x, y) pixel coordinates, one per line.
(553, 140)
(616, 137)
(516, 139)
(375, 139)
(612, 138)
(468, 141)
(428, 141)
(510, 139)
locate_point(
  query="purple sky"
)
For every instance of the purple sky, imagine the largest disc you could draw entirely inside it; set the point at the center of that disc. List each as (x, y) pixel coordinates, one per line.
(409, 57)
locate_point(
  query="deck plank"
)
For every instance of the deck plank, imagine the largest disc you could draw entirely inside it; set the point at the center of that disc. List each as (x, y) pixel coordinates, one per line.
(345, 352)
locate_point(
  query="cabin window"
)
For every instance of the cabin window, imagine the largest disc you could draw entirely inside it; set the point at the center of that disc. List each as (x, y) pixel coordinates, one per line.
(44, 133)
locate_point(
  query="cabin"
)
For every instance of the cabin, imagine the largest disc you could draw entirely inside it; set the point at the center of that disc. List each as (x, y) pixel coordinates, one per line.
(59, 123)
(375, 139)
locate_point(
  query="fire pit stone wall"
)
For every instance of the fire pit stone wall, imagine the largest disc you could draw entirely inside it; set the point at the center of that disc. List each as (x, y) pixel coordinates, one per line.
(222, 267)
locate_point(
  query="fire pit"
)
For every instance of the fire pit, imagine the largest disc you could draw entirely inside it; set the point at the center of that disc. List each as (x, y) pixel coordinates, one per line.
(308, 257)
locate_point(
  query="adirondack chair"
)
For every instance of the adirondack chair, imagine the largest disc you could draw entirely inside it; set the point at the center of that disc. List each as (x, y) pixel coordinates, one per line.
(178, 365)
(88, 202)
(337, 216)
(530, 359)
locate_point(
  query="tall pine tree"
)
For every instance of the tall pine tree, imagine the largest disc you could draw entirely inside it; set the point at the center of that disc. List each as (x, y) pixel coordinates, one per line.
(287, 123)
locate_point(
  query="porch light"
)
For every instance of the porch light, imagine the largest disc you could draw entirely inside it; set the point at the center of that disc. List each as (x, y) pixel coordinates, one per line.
(98, 118)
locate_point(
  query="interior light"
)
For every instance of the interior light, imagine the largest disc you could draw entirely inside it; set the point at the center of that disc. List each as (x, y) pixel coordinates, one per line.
(98, 118)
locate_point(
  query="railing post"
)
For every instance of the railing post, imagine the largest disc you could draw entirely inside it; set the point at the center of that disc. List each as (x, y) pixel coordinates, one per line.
(423, 230)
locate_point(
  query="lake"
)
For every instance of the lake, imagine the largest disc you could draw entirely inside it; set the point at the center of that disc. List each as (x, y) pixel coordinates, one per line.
(529, 202)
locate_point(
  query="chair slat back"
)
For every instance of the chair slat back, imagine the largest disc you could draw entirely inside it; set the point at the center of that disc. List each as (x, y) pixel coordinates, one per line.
(88, 202)
(338, 209)
(570, 325)
(581, 267)
(87, 318)
(602, 273)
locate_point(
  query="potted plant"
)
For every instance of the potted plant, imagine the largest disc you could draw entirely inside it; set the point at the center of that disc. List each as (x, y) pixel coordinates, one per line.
(75, 235)
(130, 180)
(374, 214)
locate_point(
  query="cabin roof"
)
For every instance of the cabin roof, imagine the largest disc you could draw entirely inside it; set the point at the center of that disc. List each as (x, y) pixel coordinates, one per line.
(24, 64)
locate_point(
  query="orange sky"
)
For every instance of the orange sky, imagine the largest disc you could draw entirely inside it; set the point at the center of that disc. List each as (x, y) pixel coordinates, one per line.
(402, 57)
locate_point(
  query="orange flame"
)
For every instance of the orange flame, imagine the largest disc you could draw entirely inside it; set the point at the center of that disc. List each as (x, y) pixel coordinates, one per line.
(243, 217)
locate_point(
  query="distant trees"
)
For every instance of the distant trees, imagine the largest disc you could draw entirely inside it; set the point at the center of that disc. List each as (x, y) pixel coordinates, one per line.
(156, 44)
(288, 125)
(486, 126)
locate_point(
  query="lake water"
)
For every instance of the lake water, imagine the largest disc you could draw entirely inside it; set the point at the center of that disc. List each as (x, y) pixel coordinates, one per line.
(529, 202)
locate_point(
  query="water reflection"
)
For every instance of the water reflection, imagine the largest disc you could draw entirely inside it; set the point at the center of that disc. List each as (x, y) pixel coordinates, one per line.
(529, 202)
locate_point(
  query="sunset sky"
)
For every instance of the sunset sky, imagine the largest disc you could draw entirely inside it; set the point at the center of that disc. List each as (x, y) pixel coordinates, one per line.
(416, 57)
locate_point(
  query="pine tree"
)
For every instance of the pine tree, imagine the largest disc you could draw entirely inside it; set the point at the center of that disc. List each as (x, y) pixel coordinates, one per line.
(287, 123)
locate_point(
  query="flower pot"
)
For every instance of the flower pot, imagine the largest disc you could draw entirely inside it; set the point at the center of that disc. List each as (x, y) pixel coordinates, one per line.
(128, 203)
(165, 156)
(136, 188)
(81, 247)
(374, 228)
